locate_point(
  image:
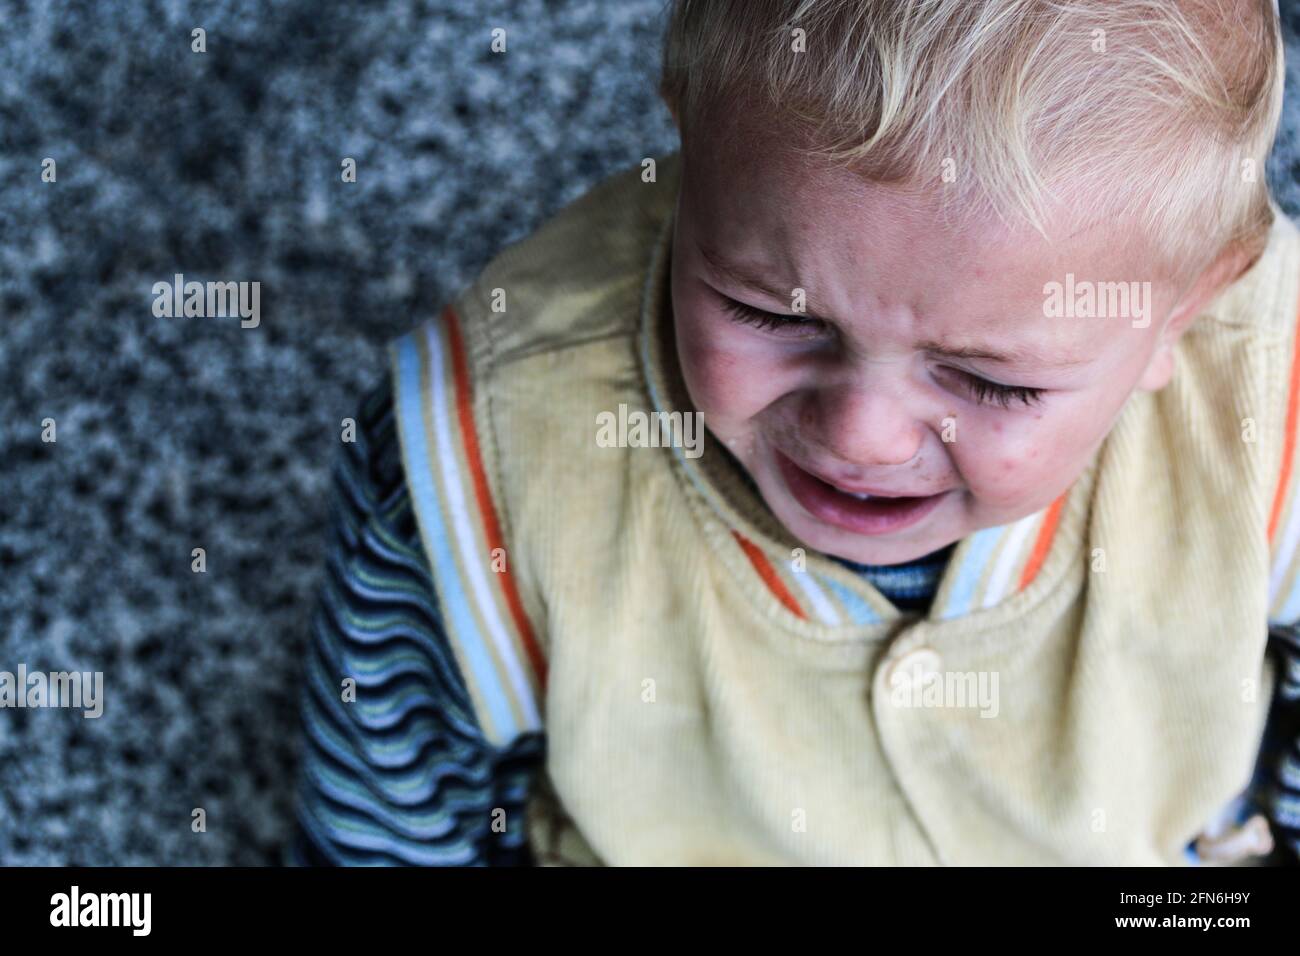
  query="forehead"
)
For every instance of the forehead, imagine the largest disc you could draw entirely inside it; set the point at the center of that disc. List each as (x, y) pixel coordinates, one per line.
(862, 248)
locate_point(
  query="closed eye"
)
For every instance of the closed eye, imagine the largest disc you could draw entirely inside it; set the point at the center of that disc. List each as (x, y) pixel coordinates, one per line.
(760, 318)
(994, 393)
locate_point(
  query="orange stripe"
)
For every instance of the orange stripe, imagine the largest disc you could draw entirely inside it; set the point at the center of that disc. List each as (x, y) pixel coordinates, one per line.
(1288, 451)
(768, 574)
(1042, 543)
(483, 493)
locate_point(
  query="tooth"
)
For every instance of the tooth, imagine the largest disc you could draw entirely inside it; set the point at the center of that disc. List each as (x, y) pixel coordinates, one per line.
(858, 496)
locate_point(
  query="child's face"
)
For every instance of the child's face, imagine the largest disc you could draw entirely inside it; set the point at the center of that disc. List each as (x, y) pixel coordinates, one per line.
(868, 391)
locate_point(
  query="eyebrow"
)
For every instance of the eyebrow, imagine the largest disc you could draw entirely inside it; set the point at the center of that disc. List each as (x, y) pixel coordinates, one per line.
(743, 276)
(1012, 356)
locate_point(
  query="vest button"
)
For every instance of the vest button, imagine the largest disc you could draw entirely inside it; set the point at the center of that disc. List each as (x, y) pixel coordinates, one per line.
(918, 664)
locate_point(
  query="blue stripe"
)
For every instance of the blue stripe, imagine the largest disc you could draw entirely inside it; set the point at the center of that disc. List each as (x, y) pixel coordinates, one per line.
(860, 610)
(980, 547)
(1291, 609)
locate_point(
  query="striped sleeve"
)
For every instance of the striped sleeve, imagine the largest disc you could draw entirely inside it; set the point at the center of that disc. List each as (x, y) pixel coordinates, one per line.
(447, 452)
(400, 773)
(1277, 777)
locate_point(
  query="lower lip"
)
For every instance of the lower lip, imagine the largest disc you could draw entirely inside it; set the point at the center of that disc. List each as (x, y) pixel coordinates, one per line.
(874, 516)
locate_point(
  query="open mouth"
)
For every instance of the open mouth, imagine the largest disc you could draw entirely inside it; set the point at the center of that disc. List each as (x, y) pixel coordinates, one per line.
(856, 512)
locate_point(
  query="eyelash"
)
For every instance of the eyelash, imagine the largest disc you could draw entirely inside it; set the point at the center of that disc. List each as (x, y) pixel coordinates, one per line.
(765, 320)
(984, 391)
(991, 393)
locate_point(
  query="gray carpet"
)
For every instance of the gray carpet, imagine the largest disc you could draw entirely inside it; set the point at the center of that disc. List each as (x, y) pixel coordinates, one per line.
(182, 433)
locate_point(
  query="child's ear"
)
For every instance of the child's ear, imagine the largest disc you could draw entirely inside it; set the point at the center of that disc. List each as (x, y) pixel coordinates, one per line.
(1216, 277)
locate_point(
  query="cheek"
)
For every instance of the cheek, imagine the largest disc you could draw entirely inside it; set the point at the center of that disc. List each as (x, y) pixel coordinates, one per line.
(1011, 463)
(726, 382)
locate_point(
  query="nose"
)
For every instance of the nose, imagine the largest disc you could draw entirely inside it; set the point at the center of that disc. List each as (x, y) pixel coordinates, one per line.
(867, 427)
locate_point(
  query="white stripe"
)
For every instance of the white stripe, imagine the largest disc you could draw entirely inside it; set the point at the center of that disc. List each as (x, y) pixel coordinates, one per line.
(460, 511)
(1000, 579)
(815, 594)
(1286, 553)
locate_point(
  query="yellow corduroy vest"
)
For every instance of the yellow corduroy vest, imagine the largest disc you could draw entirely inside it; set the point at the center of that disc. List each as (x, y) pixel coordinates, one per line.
(711, 694)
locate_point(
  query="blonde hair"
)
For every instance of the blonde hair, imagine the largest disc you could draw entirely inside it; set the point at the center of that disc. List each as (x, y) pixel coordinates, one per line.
(1165, 109)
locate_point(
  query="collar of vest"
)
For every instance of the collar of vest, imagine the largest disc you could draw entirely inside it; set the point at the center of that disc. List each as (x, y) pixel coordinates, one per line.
(994, 573)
